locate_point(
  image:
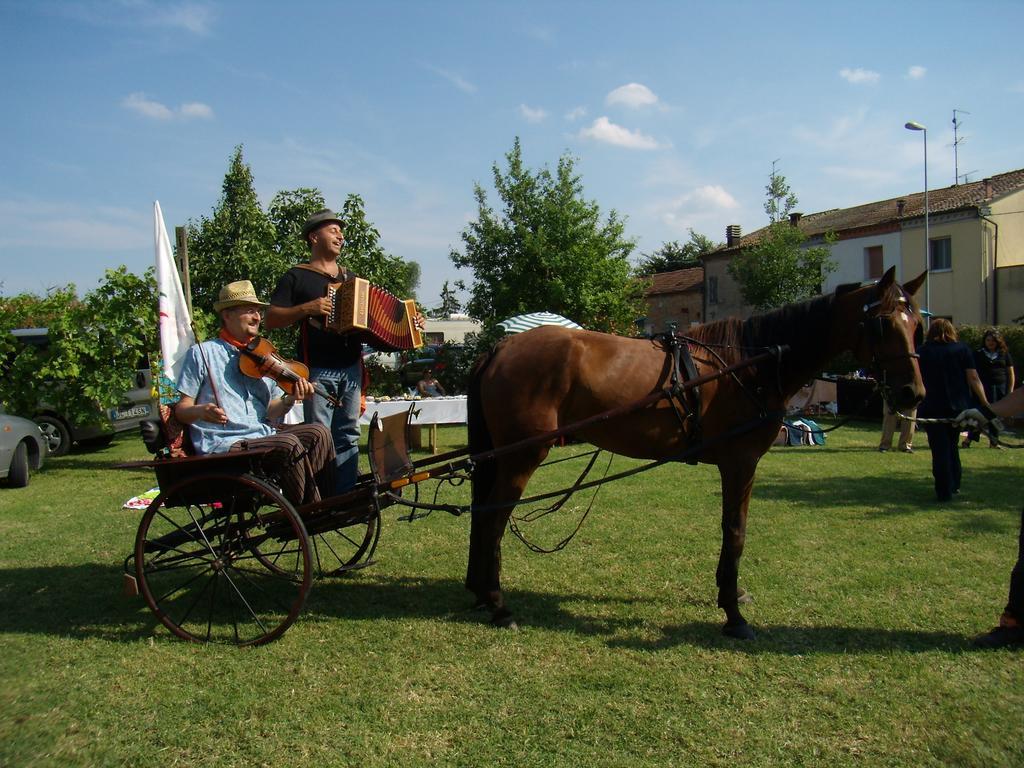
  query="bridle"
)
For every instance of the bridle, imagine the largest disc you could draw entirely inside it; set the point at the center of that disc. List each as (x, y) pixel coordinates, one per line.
(873, 328)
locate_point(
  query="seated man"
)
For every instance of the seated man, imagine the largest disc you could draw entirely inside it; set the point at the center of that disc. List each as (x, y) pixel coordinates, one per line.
(428, 386)
(226, 410)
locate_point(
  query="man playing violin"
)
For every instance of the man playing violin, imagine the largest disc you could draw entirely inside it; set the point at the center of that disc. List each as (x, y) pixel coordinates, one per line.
(226, 410)
(334, 361)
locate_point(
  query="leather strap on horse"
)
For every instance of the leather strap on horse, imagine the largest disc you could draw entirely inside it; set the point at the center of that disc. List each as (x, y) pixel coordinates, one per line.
(683, 371)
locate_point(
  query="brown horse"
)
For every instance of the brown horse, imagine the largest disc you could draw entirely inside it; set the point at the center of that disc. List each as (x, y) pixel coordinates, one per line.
(550, 377)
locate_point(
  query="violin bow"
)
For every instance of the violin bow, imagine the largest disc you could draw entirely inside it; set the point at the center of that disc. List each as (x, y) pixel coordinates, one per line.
(209, 370)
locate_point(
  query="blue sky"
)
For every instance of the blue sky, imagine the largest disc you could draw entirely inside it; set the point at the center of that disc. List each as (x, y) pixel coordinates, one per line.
(673, 110)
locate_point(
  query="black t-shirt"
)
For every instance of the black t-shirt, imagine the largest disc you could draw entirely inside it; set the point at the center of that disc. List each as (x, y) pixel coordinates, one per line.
(993, 370)
(316, 348)
(943, 370)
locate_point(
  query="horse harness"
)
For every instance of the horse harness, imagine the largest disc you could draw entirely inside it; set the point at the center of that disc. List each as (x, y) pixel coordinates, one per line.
(682, 370)
(873, 328)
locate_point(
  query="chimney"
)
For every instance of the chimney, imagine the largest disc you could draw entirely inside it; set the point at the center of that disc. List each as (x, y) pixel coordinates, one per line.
(988, 188)
(794, 219)
(900, 207)
(732, 235)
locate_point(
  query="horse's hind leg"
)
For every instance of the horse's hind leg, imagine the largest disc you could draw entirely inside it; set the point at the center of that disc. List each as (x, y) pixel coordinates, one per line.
(737, 484)
(489, 519)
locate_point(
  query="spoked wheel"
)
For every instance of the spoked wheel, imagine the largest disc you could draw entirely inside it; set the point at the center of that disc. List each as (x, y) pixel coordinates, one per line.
(346, 547)
(223, 558)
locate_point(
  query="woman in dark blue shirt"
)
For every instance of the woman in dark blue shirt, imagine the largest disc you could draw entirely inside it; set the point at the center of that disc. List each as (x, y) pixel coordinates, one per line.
(949, 376)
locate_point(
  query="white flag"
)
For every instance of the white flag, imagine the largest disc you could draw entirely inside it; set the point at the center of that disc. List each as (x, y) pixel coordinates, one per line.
(175, 324)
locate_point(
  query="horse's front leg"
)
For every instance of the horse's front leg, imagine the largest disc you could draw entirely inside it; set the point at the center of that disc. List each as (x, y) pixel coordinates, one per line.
(737, 484)
(494, 501)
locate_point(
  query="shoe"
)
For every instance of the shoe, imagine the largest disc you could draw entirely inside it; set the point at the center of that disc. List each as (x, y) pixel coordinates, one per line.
(1001, 637)
(882, 449)
(907, 449)
(997, 446)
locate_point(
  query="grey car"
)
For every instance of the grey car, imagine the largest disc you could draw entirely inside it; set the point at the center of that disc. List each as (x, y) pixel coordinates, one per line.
(59, 431)
(21, 449)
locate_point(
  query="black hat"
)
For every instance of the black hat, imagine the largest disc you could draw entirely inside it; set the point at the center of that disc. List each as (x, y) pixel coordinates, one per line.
(318, 219)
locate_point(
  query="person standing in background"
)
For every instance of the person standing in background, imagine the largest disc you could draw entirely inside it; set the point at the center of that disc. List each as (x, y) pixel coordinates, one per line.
(890, 419)
(947, 370)
(994, 364)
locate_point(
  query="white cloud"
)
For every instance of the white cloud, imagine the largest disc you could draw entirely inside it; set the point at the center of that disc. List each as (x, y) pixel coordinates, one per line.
(191, 17)
(532, 114)
(632, 95)
(712, 196)
(575, 114)
(137, 102)
(858, 76)
(454, 78)
(25, 222)
(697, 209)
(542, 34)
(916, 72)
(154, 110)
(605, 131)
(196, 109)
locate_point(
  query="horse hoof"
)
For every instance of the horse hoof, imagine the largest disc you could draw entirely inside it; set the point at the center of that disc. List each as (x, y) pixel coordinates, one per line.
(739, 631)
(504, 621)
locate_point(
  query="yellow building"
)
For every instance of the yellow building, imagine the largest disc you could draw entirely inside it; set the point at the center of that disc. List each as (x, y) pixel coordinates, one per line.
(975, 243)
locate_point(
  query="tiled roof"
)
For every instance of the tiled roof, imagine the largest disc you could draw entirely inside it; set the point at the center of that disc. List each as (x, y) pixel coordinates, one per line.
(883, 212)
(679, 281)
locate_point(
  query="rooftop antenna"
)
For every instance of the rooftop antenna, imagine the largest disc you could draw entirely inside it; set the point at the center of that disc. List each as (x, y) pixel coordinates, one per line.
(956, 143)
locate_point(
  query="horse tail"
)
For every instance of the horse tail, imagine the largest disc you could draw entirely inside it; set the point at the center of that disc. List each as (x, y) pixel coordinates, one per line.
(483, 473)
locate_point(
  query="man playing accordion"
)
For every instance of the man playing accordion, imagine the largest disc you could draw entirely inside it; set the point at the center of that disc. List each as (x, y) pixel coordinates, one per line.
(334, 361)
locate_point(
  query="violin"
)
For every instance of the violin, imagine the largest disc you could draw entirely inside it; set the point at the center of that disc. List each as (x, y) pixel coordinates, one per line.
(260, 358)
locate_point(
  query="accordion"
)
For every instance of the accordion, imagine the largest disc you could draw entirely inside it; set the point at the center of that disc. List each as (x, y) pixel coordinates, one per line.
(380, 318)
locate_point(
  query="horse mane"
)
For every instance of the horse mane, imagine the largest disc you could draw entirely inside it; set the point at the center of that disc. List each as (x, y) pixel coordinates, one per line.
(803, 325)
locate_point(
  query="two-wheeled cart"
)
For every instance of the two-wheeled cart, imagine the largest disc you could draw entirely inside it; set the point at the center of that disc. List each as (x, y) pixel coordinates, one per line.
(221, 555)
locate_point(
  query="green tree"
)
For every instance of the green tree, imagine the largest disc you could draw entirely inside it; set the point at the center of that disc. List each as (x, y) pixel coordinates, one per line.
(242, 242)
(449, 302)
(778, 268)
(287, 212)
(95, 345)
(675, 255)
(548, 250)
(780, 201)
(238, 242)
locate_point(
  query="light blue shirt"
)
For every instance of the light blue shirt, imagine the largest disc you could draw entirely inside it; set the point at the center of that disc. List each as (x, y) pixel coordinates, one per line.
(243, 398)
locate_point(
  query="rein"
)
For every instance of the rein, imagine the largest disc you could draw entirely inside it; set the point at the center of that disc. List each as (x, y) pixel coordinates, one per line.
(951, 421)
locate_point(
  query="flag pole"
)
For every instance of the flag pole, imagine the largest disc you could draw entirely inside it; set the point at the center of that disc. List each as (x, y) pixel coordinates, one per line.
(181, 240)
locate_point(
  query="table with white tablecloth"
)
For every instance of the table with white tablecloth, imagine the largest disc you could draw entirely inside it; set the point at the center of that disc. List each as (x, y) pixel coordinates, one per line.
(432, 411)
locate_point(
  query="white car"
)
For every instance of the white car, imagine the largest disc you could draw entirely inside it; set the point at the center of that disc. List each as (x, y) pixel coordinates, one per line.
(21, 449)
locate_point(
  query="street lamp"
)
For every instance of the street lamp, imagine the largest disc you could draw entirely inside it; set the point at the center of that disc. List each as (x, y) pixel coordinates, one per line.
(912, 126)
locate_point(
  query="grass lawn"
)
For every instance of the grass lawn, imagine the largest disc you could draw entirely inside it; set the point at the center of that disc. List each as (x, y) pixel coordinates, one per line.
(866, 597)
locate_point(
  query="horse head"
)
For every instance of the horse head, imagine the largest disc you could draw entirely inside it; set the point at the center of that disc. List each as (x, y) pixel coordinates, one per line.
(888, 327)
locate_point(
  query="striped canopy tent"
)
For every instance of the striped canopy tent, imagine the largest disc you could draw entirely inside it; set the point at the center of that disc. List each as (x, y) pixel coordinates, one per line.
(521, 323)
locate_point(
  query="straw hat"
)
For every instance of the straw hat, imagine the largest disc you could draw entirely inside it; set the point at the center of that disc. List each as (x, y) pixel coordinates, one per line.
(236, 294)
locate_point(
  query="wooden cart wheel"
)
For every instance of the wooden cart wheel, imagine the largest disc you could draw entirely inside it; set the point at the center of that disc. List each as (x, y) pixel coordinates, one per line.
(347, 547)
(200, 559)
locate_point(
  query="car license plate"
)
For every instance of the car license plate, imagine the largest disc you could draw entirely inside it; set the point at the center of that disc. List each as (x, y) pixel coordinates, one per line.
(129, 413)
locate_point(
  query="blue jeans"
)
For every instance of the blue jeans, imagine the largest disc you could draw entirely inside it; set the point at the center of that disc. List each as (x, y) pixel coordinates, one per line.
(343, 421)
